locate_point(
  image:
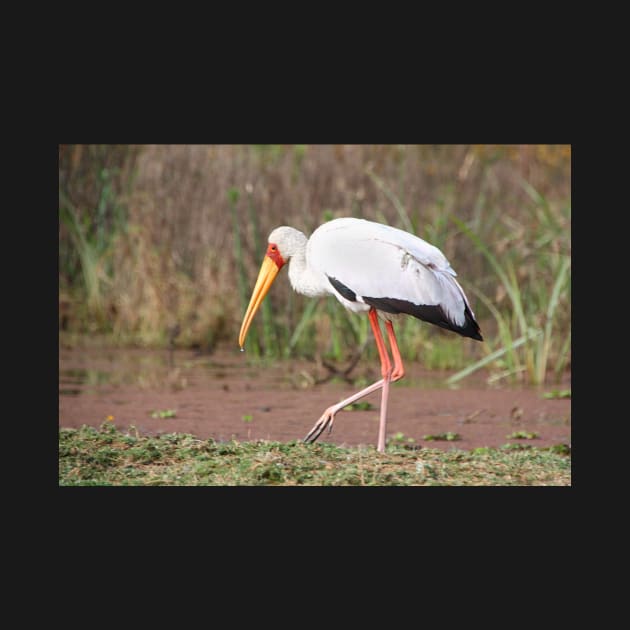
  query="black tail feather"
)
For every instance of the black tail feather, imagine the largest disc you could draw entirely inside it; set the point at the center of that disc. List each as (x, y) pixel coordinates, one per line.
(434, 314)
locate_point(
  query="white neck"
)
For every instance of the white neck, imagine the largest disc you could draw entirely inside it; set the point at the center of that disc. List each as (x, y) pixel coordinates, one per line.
(292, 245)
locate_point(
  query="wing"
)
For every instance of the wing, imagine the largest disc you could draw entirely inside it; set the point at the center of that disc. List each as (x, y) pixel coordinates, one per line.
(391, 270)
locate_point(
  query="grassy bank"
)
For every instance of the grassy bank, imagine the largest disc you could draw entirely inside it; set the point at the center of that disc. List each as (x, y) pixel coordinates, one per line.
(111, 457)
(160, 244)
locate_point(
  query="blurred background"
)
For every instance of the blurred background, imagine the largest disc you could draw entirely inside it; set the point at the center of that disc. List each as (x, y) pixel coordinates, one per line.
(160, 245)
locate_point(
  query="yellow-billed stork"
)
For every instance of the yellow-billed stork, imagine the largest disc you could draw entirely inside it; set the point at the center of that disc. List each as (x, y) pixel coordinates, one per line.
(370, 268)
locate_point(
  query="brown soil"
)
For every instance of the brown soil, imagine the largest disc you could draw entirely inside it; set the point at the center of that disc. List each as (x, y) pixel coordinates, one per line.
(223, 396)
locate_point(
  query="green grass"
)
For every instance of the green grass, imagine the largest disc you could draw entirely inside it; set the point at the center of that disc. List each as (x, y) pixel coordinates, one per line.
(110, 457)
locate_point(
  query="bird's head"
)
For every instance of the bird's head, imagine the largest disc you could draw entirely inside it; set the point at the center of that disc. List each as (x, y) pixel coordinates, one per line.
(284, 242)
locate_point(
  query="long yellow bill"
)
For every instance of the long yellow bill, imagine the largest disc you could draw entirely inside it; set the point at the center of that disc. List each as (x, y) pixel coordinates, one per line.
(266, 276)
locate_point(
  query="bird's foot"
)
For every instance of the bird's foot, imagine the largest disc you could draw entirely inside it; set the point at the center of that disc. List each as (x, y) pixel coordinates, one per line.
(326, 420)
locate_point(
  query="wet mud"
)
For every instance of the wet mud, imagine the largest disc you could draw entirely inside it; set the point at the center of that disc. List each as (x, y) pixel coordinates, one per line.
(227, 396)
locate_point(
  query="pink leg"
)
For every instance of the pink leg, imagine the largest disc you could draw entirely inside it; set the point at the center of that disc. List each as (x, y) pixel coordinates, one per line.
(382, 425)
(386, 371)
(328, 416)
(392, 375)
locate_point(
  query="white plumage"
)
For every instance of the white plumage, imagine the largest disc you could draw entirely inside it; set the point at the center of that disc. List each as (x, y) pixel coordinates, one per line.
(380, 261)
(376, 262)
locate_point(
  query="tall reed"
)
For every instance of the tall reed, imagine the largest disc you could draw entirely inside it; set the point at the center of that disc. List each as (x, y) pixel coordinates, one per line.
(534, 273)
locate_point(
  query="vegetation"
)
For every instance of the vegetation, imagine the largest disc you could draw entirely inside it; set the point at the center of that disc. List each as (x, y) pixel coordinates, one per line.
(107, 456)
(161, 245)
(449, 436)
(523, 435)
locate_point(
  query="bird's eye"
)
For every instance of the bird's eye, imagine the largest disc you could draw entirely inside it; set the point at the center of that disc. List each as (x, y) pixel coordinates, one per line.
(273, 248)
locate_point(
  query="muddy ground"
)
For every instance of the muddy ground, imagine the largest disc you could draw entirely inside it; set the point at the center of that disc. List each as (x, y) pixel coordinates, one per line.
(224, 396)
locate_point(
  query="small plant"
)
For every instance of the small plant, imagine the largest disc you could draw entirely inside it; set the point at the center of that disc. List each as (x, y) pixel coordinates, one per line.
(248, 418)
(400, 439)
(523, 435)
(558, 393)
(481, 450)
(164, 413)
(516, 447)
(560, 449)
(360, 406)
(449, 436)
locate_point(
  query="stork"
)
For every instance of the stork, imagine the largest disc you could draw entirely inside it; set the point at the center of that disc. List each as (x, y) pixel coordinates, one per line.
(370, 268)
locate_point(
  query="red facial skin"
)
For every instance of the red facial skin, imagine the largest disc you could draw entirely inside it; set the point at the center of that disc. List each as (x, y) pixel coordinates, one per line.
(274, 254)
